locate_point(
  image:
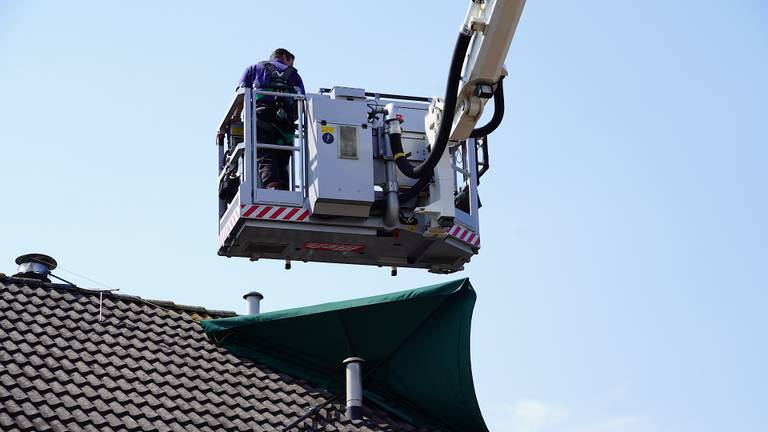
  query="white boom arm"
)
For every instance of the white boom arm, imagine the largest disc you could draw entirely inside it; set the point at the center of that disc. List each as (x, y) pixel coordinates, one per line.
(493, 23)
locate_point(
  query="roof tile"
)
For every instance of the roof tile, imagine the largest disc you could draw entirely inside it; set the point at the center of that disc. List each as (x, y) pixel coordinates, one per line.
(57, 426)
(140, 368)
(5, 419)
(63, 413)
(23, 423)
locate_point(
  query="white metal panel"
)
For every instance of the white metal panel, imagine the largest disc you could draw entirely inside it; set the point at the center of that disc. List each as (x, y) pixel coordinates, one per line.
(340, 171)
(339, 111)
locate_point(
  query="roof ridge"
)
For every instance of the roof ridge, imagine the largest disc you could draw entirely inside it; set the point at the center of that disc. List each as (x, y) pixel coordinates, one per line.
(168, 304)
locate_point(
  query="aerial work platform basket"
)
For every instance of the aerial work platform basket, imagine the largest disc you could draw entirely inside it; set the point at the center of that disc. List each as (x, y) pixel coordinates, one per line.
(353, 194)
(345, 201)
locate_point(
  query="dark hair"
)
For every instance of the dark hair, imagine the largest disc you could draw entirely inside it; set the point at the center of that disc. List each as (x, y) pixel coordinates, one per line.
(280, 52)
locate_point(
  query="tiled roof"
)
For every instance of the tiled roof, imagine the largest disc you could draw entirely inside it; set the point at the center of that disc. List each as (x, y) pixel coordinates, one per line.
(146, 366)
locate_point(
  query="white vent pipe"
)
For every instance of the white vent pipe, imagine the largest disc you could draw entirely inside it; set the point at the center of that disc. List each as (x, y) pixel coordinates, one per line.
(354, 388)
(254, 302)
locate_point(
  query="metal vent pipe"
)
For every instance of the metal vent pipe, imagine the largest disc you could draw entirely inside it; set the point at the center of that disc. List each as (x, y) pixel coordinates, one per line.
(354, 388)
(35, 266)
(254, 302)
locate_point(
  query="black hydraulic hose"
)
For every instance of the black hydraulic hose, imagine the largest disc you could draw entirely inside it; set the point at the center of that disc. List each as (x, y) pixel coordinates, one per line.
(423, 173)
(408, 194)
(498, 112)
(483, 131)
(415, 189)
(396, 142)
(446, 124)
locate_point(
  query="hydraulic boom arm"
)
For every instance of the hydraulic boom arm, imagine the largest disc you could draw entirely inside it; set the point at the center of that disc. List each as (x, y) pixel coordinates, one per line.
(492, 23)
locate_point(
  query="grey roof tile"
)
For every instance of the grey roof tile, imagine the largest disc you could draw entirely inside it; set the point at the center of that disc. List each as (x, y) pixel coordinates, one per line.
(241, 425)
(80, 416)
(114, 421)
(63, 413)
(140, 368)
(117, 407)
(5, 420)
(57, 426)
(52, 400)
(96, 418)
(23, 423)
(68, 401)
(130, 423)
(133, 411)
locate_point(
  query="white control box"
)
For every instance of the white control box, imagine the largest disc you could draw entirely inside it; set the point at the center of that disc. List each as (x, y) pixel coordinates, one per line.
(340, 157)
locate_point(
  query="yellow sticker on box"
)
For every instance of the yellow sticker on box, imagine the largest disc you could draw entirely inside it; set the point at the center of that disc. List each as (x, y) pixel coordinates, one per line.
(328, 129)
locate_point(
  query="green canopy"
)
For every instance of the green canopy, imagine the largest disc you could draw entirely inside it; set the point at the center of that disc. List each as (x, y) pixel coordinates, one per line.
(415, 344)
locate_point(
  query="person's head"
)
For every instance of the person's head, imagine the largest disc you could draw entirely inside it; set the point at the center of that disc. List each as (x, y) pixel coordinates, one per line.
(283, 56)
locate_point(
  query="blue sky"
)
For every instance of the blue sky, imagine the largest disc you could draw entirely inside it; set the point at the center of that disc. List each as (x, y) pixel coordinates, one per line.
(622, 280)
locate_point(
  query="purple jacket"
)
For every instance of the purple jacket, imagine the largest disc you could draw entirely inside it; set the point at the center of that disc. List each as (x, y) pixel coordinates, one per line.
(256, 76)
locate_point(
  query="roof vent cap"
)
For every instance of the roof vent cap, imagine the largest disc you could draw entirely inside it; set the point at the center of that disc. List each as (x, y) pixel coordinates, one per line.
(254, 300)
(35, 266)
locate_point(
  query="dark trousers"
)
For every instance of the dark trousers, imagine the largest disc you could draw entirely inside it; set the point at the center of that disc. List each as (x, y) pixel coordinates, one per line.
(273, 164)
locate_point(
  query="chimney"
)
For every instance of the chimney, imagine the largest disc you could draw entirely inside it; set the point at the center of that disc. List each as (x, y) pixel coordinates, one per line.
(35, 266)
(254, 299)
(354, 388)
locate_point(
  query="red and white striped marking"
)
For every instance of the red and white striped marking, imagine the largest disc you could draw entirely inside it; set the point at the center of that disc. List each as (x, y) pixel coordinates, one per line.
(334, 247)
(224, 233)
(292, 214)
(465, 235)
